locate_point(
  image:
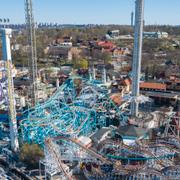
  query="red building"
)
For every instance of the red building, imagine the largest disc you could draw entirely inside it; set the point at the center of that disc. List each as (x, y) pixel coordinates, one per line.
(106, 45)
(151, 86)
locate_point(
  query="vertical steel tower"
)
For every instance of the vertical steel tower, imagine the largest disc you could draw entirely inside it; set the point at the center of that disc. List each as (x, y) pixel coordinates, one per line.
(6, 51)
(32, 63)
(137, 55)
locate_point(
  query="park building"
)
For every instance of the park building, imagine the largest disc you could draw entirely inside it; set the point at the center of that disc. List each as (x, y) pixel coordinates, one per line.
(155, 35)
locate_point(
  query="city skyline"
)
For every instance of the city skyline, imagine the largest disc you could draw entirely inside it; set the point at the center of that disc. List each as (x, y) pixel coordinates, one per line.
(92, 12)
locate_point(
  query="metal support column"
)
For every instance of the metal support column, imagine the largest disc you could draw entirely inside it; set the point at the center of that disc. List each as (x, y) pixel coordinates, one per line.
(104, 75)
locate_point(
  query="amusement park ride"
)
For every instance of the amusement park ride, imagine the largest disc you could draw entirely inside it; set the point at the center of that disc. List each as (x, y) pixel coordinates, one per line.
(32, 54)
(79, 108)
(7, 87)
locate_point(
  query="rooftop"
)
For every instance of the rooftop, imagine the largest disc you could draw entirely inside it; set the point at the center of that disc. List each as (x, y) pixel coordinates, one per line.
(152, 85)
(131, 130)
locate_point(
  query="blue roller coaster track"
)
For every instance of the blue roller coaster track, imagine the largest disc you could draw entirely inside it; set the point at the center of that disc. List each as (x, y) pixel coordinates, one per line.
(77, 108)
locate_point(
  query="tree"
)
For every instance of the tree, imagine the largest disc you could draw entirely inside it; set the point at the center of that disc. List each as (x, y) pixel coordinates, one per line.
(30, 154)
(80, 63)
(106, 57)
(147, 73)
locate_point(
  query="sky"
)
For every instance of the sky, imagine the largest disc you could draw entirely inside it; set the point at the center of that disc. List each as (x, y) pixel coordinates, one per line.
(92, 11)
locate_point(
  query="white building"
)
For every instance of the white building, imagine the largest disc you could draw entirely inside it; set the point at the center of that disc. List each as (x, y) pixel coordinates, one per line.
(155, 35)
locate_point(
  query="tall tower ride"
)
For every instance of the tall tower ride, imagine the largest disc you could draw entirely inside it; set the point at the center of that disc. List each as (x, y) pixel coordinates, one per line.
(137, 55)
(6, 52)
(32, 63)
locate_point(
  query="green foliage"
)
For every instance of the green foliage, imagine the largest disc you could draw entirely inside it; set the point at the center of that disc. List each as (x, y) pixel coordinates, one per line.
(80, 63)
(151, 45)
(147, 73)
(30, 154)
(20, 58)
(156, 45)
(167, 46)
(47, 36)
(106, 57)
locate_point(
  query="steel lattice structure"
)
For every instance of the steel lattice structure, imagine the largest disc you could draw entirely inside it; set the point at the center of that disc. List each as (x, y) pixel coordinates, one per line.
(77, 108)
(157, 157)
(32, 63)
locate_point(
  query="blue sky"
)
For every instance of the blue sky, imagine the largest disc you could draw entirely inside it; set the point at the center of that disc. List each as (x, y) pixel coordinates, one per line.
(92, 11)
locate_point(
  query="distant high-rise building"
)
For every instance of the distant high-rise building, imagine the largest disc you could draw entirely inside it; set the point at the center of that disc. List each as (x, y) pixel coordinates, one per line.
(132, 19)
